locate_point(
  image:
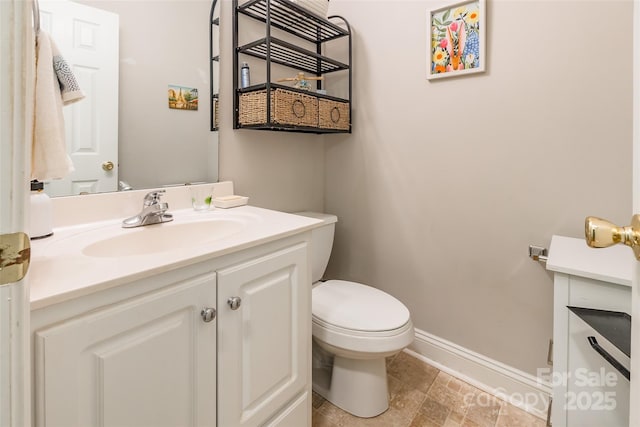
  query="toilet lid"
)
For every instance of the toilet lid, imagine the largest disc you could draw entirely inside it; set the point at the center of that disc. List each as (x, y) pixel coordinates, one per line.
(357, 307)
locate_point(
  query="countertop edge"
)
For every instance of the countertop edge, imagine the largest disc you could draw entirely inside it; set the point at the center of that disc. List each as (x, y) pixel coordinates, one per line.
(572, 256)
(72, 293)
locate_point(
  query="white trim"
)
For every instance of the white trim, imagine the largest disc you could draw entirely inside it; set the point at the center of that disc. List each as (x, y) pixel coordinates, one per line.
(17, 63)
(519, 388)
(634, 410)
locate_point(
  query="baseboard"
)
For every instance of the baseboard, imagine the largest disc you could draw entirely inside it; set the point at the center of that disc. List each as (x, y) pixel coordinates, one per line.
(519, 388)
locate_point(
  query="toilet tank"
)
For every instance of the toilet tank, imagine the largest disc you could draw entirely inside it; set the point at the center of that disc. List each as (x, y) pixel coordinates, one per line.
(321, 243)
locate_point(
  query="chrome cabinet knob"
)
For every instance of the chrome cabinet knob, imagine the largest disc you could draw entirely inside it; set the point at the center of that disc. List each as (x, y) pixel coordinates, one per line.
(208, 314)
(234, 302)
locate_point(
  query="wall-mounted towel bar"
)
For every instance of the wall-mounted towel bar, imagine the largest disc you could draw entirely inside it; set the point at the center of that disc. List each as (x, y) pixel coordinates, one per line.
(538, 253)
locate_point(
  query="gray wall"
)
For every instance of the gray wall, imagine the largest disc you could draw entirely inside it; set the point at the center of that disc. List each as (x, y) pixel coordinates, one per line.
(277, 170)
(444, 184)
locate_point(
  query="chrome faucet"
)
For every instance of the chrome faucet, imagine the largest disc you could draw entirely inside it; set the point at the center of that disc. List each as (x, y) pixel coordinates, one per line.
(153, 211)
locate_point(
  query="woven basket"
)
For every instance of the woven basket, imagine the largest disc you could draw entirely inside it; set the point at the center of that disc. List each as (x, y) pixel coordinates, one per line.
(216, 113)
(333, 114)
(287, 108)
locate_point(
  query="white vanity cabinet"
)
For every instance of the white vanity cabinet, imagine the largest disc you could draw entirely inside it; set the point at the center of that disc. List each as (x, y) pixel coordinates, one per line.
(264, 329)
(140, 353)
(587, 390)
(147, 361)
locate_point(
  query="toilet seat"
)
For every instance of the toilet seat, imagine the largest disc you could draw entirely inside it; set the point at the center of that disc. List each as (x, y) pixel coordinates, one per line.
(358, 321)
(356, 307)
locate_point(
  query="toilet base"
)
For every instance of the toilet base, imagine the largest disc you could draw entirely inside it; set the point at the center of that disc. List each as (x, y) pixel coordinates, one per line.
(355, 385)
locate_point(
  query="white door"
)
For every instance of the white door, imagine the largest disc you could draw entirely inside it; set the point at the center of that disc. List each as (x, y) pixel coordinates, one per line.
(634, 414)
(634, 410)
(88, 40)
(16, 73)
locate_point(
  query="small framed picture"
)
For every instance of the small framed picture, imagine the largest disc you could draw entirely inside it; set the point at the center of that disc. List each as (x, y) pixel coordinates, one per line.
(456, 39)
(183, 98)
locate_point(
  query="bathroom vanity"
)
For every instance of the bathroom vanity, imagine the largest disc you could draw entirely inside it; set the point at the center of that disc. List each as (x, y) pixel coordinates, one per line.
(587, 389)
(212, 332)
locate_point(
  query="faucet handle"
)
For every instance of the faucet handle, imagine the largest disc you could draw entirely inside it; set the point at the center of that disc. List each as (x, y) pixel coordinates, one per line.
(153, 197)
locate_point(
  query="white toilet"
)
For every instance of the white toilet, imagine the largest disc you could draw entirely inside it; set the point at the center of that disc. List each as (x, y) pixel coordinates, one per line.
(355, 327)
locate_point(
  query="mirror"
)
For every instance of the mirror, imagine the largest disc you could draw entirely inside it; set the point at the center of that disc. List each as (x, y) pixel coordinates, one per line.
(164, 81)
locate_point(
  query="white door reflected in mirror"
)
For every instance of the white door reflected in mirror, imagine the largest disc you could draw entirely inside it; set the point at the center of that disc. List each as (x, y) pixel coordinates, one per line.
(88, 40)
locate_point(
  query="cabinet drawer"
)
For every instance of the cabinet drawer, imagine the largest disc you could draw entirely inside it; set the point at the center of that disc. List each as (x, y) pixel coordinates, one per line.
(600, 295)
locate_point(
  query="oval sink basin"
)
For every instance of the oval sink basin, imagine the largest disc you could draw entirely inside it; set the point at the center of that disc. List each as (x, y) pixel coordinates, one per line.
(165, 237)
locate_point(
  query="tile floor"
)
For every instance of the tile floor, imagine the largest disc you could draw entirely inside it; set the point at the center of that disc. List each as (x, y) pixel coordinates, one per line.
(423, 396)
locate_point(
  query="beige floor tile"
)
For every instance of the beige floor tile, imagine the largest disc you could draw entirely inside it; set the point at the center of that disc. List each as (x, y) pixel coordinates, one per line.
(404, 398)
(412, 371)
(387, 419)
(435, 411)
(316, 400)
(332, 413)
(468, 423)
(484, 410)
(422, 420)
(510, 416)
(454, 419)
(422, 396)
(318, 419)
(456, 401)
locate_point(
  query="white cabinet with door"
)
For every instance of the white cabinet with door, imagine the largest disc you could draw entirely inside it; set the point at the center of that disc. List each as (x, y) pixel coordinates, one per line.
(587, 389)
(264, 316)
(147, 361)
(150, 353)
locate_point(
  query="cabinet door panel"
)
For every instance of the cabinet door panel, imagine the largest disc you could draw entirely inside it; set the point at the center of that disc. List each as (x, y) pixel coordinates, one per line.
(296, 414)
(270, 330)
(597, 394)
(149, 361)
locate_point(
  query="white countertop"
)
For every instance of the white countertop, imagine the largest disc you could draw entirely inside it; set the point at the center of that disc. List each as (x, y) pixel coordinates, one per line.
(60, 271)
(569, 255)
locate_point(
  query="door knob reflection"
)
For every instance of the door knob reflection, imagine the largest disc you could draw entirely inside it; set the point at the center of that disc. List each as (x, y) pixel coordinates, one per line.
(108, 166)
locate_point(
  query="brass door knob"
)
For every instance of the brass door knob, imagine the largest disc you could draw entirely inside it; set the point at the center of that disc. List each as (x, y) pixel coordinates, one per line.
(107, 166)
(600, 233)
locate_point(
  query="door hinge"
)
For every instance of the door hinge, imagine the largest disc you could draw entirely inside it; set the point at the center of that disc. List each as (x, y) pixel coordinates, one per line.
(15, 256)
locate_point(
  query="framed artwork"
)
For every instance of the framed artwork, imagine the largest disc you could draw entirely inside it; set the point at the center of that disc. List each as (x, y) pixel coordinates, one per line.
(456, 39)
(183, 98)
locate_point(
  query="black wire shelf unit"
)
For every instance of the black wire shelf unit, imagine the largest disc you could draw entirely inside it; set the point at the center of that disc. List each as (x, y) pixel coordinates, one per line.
(214, 58)
(315, 30)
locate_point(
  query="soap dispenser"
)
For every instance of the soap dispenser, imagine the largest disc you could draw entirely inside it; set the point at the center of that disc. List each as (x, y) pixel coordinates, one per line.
(41, 212)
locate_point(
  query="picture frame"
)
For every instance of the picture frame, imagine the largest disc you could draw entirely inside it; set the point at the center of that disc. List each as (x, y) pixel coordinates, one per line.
(182, 98)
(456, 35)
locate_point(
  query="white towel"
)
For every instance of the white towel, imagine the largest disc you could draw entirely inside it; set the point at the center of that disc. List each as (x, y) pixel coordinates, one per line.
(49, 159)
